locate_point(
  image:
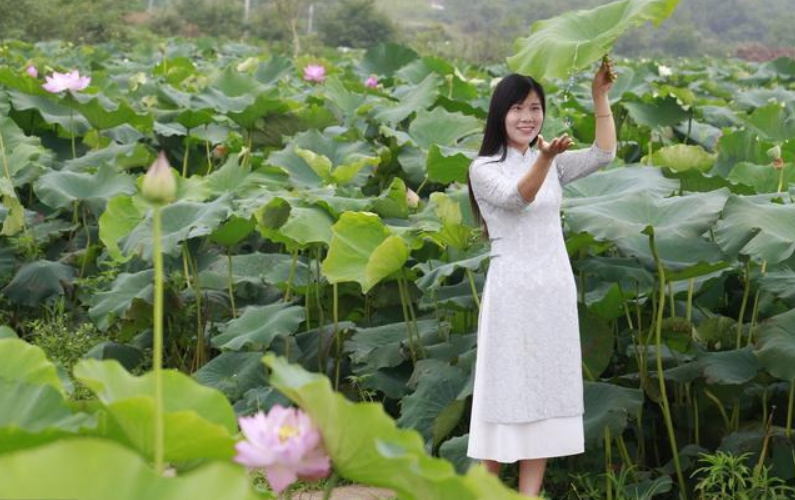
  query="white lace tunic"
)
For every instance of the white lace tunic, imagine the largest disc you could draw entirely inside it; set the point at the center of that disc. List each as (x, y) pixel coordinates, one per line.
(528, 367)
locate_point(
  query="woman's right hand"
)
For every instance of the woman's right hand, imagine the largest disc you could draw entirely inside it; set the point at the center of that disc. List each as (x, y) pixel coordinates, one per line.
(551, 149)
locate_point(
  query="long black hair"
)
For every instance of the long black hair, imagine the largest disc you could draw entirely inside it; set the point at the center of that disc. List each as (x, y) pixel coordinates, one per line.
(512, 89)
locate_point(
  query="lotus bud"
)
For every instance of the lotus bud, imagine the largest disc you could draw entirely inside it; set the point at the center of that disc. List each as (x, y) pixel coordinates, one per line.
(32, 71)
(778, 163)
(774, 152)
(412, 199)
(220, 151)
(160, 185)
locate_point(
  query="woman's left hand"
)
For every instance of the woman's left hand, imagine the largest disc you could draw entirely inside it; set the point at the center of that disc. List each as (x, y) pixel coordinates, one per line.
(604, 78)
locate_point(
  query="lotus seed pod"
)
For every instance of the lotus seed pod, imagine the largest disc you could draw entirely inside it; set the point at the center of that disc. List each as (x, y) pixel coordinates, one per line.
(160, 185)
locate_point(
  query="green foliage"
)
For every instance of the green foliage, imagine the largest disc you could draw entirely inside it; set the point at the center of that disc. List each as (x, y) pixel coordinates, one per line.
(354, 23)
(79, 21)
(730, 477)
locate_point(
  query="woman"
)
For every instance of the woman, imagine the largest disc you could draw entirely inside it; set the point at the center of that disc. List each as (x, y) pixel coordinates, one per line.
(528, 399)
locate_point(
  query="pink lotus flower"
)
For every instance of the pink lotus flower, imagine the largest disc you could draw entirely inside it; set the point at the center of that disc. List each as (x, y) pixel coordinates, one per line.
(59, 82)
(371, 82)
(286, 444)
(314, 73)
(32, 71)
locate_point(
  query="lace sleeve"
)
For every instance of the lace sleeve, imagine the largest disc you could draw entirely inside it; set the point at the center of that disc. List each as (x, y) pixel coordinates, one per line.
(490, 185)
(573, 165)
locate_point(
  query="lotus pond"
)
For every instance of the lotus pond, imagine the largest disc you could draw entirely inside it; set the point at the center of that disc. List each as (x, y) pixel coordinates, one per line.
(322, 225)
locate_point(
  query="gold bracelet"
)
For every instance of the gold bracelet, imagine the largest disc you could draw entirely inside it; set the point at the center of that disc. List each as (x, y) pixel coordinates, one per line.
(608, 115)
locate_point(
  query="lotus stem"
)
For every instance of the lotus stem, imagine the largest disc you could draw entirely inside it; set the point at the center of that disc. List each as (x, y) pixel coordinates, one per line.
(185, 264)
(288, 292)
(781, 178)
(158, 342)
(330, 486)
(660, 372)
(72, 132)
(695, 421)
(209, 156)
(406, 317)
(230, 281)
(185, 154)
(471, 277)
(789, 407)
(608, 463)
(626, 315)
(88, 244)
(722, 410)
(746, 292)
(337, 340)
(689, 310)
(760, 463)
(755, 310)
(199, 357)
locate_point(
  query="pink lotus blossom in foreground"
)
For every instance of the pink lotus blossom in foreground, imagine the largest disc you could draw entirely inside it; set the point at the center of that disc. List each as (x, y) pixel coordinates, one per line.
(314, 73)
(32, 71)
(371, 82)
(59, 82)
(286, 444)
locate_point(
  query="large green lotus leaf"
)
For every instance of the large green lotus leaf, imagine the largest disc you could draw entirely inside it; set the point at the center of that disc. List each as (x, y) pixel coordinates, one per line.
(725, 368)
(570, 42)
(763, 178)
(199, 421)
(294, 225)
(119, 218)
(776, 346)
(273, 70)
(7, 333)
(103, 113)
(233, 231)
(780, 283)
(114, 303)
(611, 184)
(14, 220)
(180, 221)
(661, 112)
(24, 156)
(760, 230)
(438, 388)
(52, 112)
(346, 101)
(682, 157)
(682, 257)
(608, 406)
(338, 152)
(233, 373)
(436, 272)
(37, 281)
(259, 326)
(392, 202)
(442, 220)
(774, 121)
(232, 177)
(379, 346)
(410, 99)
(23, 362)
(340, 174)
(255, 268)
(35, 414)
(687, 216)
(756, 98)
(736, 146)
(597, 339)
(628, 273)
(446, 168)
(264, 104)
(440, 128)
(121, 156)
(60, 189)
(363, 250)
(93, 469)
(385, 59)
(365, 445)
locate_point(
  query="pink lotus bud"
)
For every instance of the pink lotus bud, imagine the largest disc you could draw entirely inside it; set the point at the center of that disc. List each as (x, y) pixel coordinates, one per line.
(314, 73)
(286, 444)
(32, 71)
(371, 82)
(160, 185)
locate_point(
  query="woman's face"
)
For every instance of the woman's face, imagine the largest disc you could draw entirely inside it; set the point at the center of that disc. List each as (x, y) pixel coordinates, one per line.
(523, 122)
